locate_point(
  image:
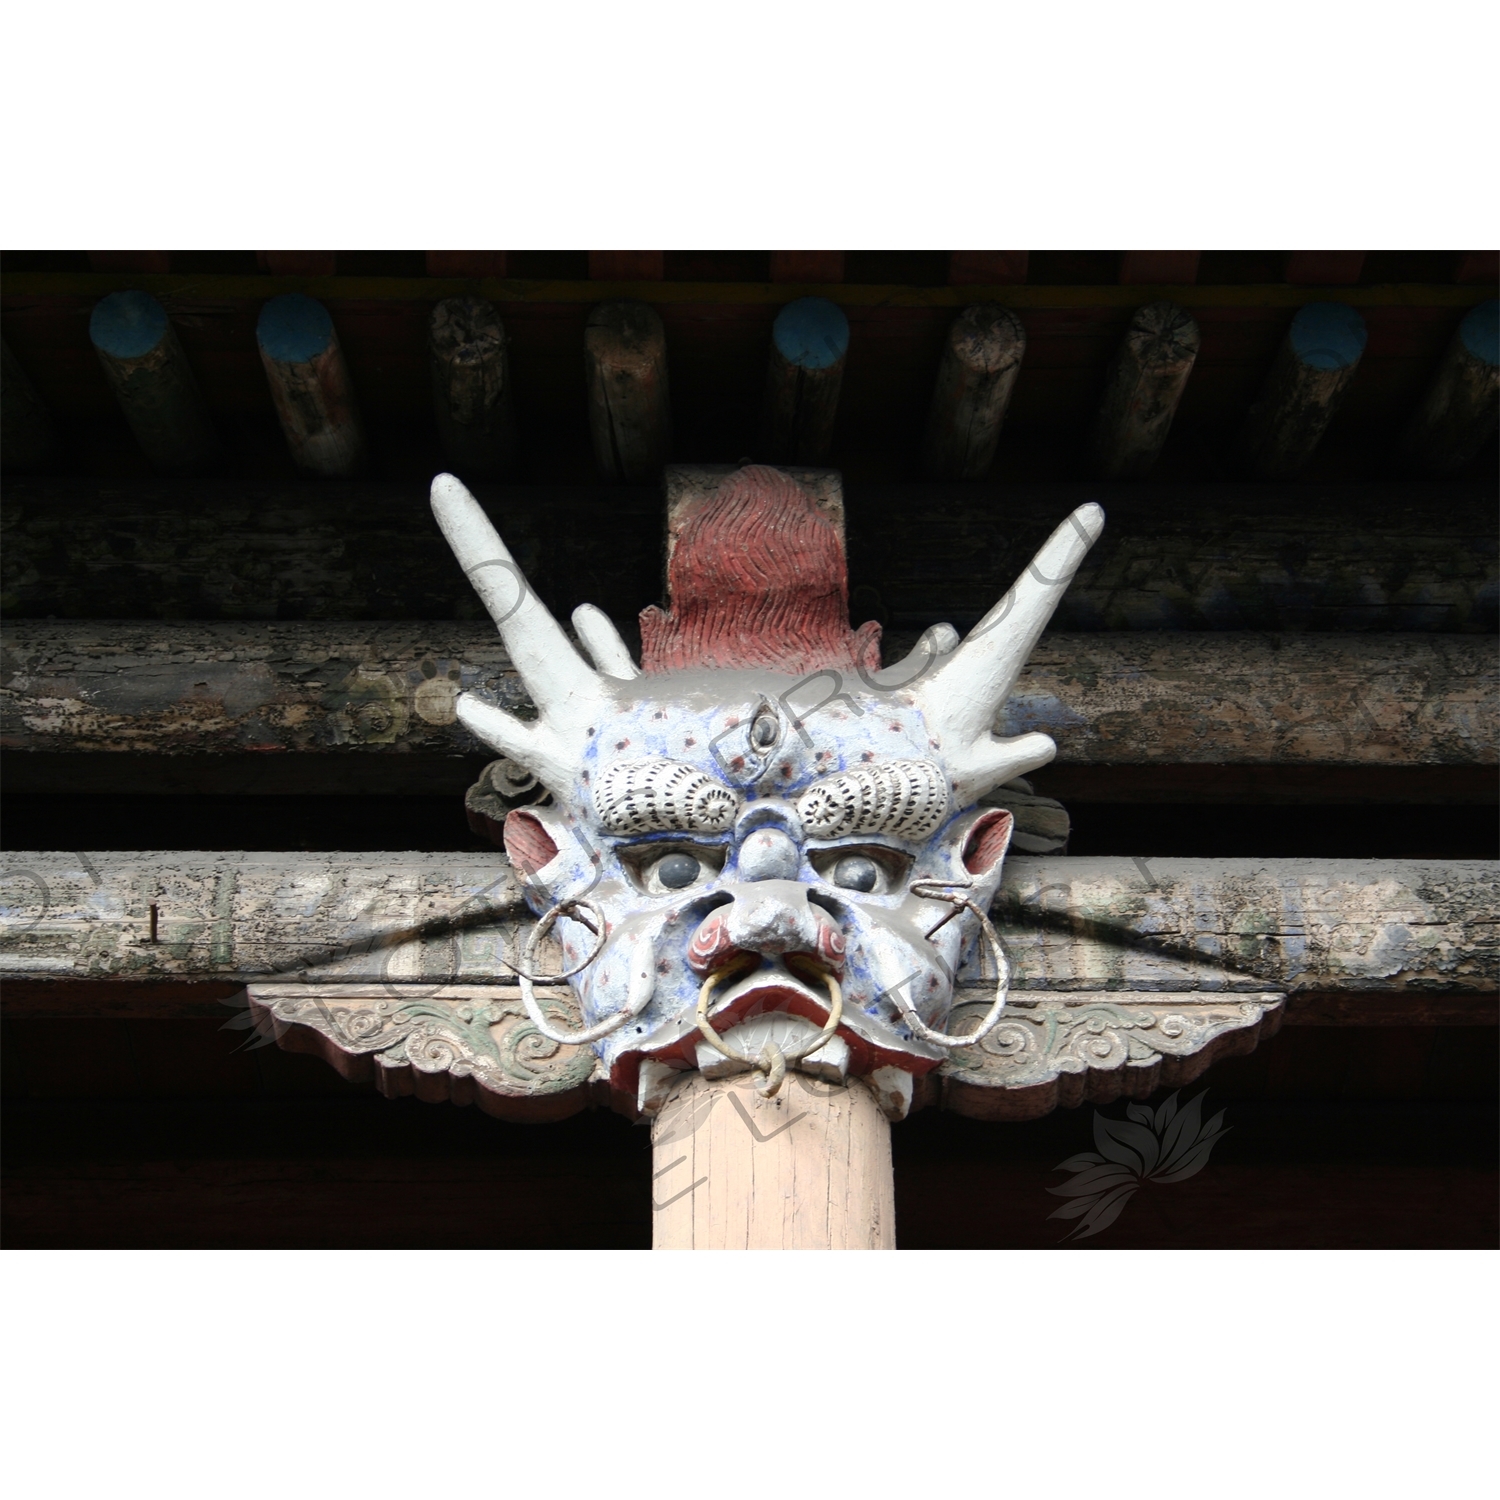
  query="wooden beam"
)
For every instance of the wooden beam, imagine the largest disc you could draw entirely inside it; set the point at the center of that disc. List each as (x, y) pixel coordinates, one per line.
(1324, 557)
(977, 372)
(466, 263)
(152, 380)
(630, 409)
(298, 262)
(1313, 368)
(987, 267)
(28, 433)
(1071, 924)
(158, 262)
(627, 265)
(1159, 267)
(1158, 699)
(1459, 411)
(1009, 291)
(1324, 267)
(471, 392)
(810, 267)
(310, 386)
(1478, 268)
(1142, 391)
(805, 372)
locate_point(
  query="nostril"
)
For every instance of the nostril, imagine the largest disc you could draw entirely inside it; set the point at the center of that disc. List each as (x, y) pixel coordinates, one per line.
(711, 947)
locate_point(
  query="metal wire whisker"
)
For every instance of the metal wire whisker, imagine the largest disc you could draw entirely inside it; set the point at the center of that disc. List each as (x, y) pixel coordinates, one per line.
(641, 989)
(773, 1062)
(947, 890)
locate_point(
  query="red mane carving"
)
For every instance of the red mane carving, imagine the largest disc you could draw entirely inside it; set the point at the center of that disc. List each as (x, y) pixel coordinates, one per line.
(758, 579)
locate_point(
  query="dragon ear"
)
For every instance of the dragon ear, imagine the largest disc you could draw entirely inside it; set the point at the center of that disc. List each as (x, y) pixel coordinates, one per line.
(987, 841)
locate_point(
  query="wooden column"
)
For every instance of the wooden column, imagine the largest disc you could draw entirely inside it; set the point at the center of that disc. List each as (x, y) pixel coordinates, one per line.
(987, 267)
(471, 387)
(151, 379)
(28, 435)
(981, 359)
(1459, 410)
(1159, 267)
(809, 343)
(1313, 368)
(310, 385)
(807, 1170)
(630, 413)
(813, 266)
(1145, 383)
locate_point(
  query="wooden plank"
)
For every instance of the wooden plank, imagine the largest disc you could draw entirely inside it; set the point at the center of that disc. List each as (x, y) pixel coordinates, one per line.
(627, 265)
(298, 262)
(310, 385)
(1305, 387)
(987, 267)
(810, 267)
(148, 372)
(1071, 924)
(1010, 292)
(444, 263)
(1384, 557)
(1156, 699)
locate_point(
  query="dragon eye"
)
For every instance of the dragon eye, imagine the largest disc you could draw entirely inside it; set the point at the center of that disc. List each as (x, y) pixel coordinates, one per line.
(677, 871)
(856, 872)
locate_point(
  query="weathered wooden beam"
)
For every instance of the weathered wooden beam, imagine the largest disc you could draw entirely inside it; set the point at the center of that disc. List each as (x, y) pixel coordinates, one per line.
(813, 267)
(804, 374)
(1459, 411)
(310, 386)
(190, 688)
(977, 372)
(152, 380)
(1145, 383)
(1324, 267)
(630, 410)
(1159, 267)
(28, 434)
(471, 394)
(1071, 925)
(1313, 368)
(1335, 557)
(987, 267)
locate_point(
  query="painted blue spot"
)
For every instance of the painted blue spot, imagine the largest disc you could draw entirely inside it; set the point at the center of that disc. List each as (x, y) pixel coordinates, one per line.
(127, 324)
(1480, 332)
(811, 332)
(1328, 335)
(294, 328)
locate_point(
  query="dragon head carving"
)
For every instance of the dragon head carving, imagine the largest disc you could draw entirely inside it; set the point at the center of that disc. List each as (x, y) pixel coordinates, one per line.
(761, 850)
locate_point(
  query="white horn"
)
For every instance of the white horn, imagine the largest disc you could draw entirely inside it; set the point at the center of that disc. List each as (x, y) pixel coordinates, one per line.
(964, 690)
(602, 642)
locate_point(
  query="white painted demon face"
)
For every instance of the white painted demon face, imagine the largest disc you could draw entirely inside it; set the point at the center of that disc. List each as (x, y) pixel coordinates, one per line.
(761, 850)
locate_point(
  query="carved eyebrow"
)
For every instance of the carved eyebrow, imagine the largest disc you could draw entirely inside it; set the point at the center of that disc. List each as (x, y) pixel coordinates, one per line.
(662, 796)
(907, 799)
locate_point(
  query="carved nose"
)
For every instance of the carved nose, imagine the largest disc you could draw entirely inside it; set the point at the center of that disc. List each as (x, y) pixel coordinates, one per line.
(768, 854)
